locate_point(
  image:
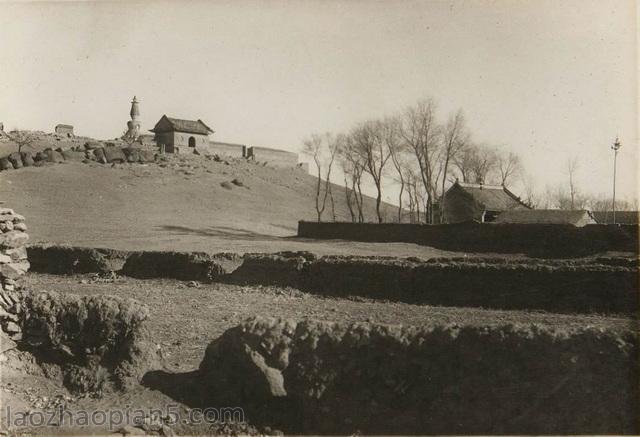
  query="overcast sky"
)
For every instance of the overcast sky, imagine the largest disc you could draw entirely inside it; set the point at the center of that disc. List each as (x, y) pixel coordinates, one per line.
(548, 79)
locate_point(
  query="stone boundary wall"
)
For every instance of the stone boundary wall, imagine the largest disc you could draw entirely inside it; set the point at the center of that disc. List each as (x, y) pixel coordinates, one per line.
(334, 379)
(602, 285)
(13, 264)
(225, 149)
(273, 157)
(188, 266)
(536, 240)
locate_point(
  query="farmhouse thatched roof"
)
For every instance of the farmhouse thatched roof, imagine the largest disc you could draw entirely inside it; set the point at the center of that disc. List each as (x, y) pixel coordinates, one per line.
(579, 217)
(170, 124)
(491, 197)
(622, 217)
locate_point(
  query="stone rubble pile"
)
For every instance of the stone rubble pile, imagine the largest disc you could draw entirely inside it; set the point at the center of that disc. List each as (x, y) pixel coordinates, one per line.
(13, 264)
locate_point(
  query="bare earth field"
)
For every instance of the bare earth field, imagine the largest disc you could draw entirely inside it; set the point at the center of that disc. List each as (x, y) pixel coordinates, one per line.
(185, 319)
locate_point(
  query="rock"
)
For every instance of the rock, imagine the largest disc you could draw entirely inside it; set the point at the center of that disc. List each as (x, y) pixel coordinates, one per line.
(11, 328)
(132, 154)
(4, 211)
(99, 155)
(27, 159)
(17, 253)
(5, 164)
(5, 315)
(5, 259)
(13, 239)
(6, 300)
(14, 270)
(16, 160)
(91, 145)
(147, 156)
(72, 155)
(54, 156)
(114, 155)
(6, 226)
(6, 343)
(20, 227)
(237, 182)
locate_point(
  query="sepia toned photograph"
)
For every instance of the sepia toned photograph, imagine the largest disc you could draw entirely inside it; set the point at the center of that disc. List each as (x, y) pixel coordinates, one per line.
(319, 217)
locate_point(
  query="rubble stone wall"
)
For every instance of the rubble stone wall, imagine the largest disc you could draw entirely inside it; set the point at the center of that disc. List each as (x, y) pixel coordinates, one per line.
(381, 379)
(13, 264)
(601, 285)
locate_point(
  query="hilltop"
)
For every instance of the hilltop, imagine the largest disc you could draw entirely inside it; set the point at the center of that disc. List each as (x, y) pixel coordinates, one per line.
(188, 202)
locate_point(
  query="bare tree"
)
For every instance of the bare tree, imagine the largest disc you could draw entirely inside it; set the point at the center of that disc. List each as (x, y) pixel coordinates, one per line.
(22, 138)
(323, 150)
(475, 163)
(509, 166)
(455, 138)
(421, 133)
(369, 139)
(353, 167)
(397, 152)
(572, 168)
(531, 197)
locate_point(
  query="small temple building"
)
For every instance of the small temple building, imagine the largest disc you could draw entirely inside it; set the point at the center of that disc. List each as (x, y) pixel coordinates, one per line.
(174, 133)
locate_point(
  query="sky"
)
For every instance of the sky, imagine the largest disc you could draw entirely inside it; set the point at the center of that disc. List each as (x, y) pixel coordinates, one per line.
(550, 80)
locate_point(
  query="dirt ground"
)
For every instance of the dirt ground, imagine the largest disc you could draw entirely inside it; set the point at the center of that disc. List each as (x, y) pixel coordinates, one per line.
(186, 318)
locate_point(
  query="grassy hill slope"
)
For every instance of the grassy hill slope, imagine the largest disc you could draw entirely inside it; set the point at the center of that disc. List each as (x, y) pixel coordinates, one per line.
(177, 205)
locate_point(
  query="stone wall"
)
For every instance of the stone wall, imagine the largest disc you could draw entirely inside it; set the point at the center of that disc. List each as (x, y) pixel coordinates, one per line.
(273, 157)
(13, 264)
(13, 252)
(548, 240)
(225, 149)
(328, 378)
(603, 285)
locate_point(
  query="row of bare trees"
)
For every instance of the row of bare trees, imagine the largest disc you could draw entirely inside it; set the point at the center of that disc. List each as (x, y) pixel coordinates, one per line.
(415, 150)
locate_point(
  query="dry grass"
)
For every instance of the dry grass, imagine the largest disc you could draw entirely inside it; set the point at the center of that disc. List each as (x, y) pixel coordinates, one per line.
(179, 206)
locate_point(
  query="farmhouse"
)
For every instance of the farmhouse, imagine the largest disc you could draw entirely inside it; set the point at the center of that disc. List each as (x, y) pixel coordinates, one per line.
(175, 133)
(273, 157)
(64, 129)
(466, 202)
(577, 218)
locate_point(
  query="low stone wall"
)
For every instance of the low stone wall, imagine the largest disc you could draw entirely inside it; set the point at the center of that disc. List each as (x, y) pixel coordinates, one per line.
(194, 266)
(94, 340)
(536, 240)
(603, 285)
(326, 378)
(13, 264)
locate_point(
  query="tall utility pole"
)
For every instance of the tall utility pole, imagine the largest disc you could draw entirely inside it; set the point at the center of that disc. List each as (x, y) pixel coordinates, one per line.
(616, 146)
